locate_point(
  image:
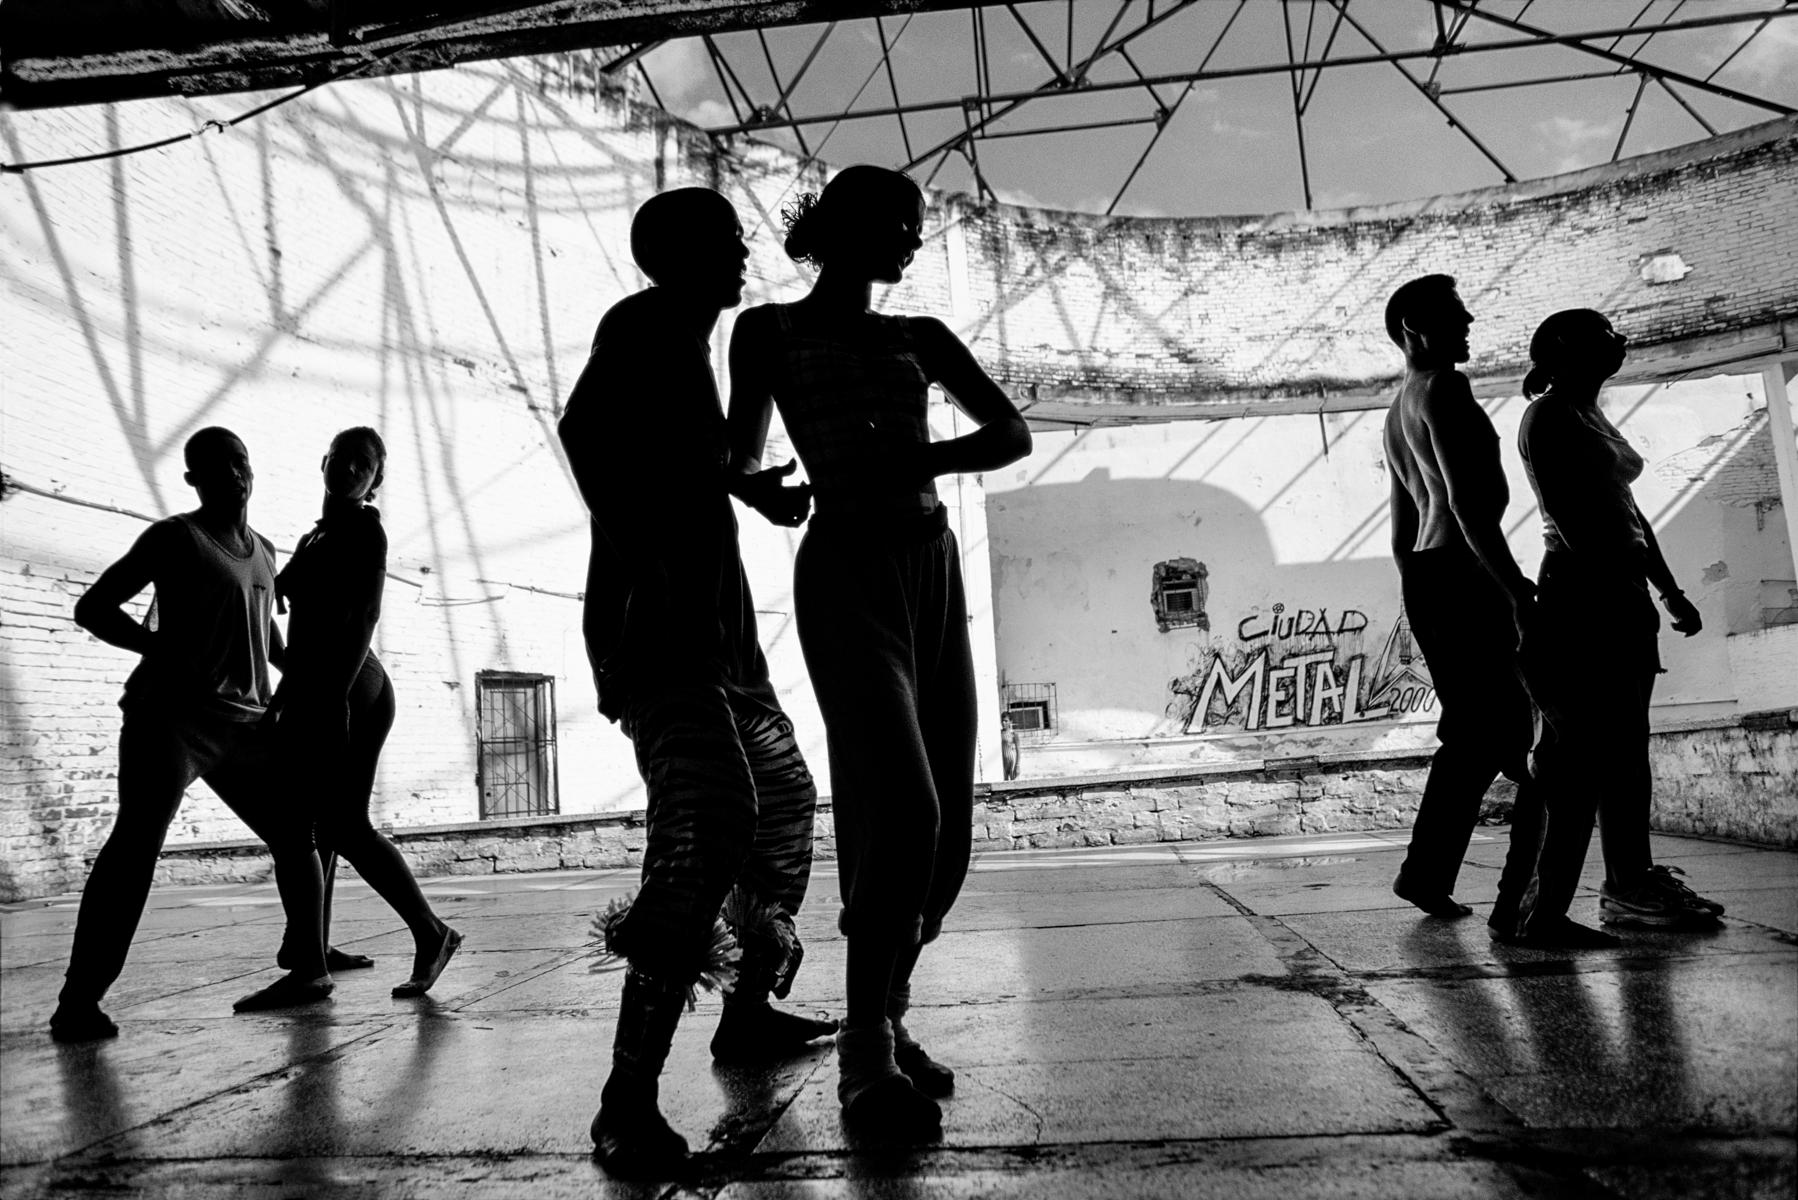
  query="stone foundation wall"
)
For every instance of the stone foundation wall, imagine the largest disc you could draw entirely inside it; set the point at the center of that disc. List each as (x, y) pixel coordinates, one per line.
(1737, 780)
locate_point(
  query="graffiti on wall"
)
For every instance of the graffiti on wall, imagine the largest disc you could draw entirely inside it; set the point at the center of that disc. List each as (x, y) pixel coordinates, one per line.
(1301, 667)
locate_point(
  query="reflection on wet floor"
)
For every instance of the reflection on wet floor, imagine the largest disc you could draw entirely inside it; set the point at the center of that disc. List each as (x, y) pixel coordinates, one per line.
(1262, 866)
(1235, 1018)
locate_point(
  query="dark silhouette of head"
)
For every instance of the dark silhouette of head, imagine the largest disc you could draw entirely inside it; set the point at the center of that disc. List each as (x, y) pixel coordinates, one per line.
(218, 467)
(1574, 348)
(356, 464)
(866, 223)
(690, 241)
(1426, 319)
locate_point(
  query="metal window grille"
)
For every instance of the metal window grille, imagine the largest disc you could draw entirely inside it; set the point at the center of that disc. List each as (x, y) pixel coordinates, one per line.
(515, 729)
(1178, 591)
(1180, 599)
(1031, 707)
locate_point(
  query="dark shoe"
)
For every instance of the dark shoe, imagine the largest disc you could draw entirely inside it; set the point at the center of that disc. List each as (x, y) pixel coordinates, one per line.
(892, 1110)
(926, 1074)
(1559, 933)
(289, 991)
(81, 1023)
(1658, 902)
(760, 1033)
(1437, 904)
(631, 1138)
(425, 973)
(1664, 875)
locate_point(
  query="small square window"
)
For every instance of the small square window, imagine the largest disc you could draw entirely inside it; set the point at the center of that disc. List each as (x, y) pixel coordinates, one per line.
(1178, 592)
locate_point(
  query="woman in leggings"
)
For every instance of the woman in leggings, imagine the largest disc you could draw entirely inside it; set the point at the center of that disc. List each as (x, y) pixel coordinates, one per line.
(335, 703)
(878, 593)
(1601, 559)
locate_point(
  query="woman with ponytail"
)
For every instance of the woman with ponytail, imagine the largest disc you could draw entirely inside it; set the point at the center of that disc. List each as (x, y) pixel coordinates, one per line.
(335, 704)
(1601, 557)
(878, 593)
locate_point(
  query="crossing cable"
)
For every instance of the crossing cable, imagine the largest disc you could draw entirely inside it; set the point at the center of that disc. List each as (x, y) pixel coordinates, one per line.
(213, 126)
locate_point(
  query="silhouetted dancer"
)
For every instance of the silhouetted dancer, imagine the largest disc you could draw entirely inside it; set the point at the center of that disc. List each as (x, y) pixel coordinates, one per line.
(1466, 599)
(194, 709)
(878, 595)
(1594, 691)
(335, 705)
(670, 629)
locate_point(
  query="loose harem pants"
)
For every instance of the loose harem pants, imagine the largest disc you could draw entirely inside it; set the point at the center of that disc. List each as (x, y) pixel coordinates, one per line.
(884, 626)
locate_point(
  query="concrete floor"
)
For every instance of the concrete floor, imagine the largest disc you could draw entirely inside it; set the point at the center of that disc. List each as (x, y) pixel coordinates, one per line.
(1239, 1018)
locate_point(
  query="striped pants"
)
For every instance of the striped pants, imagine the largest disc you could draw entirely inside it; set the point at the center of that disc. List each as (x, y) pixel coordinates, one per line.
(731, 803)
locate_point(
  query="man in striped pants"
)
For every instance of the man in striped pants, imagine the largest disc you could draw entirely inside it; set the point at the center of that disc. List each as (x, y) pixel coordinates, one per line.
(670, 628)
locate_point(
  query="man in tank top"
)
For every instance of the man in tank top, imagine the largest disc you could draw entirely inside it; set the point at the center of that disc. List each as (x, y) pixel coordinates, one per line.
(194, 709)
(670, 629)
(1466, 599)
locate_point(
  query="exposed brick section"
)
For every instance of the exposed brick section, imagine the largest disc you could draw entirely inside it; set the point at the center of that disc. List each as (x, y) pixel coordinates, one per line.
(1158, 310)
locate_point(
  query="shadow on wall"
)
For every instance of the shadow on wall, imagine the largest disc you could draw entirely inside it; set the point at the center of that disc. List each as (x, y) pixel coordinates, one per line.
(1087, 573)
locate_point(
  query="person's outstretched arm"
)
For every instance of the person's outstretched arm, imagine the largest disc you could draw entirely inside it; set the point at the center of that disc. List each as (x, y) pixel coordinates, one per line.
(1466, 453)
(751, 411)
(100, 610)
(1003, 437)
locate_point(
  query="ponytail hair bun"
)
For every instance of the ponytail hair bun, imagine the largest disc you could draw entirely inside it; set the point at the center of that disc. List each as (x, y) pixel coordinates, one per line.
(1537, 383)
(817, 222)
(804, 228)
(1557, 344)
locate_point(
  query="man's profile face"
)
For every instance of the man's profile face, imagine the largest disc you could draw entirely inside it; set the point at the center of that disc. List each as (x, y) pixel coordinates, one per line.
(1443, 329)
(714, 262)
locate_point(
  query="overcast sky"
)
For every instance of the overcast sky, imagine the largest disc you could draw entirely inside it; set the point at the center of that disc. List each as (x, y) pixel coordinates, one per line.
(1231, 146)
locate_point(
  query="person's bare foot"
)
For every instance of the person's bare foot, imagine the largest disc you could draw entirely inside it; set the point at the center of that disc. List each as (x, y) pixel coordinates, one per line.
(428, 964)
(289, 991)
(1437, 904)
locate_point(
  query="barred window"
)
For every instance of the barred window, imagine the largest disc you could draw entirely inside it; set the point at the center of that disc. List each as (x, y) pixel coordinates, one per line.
(515, 731)
(1178, 591)
(1031, 707)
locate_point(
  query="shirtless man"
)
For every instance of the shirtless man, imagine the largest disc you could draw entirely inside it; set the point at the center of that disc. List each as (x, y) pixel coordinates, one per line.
(1466, 598)
(670, 629)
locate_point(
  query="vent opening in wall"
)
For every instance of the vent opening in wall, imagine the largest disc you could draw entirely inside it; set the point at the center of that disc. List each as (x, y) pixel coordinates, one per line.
(1178, 594)
(1031, 707)
(515, 731)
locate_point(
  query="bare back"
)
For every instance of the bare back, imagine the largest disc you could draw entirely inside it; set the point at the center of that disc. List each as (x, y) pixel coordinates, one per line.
(1443, 453)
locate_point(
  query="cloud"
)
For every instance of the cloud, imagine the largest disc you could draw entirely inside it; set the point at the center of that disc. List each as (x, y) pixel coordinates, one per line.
(1770, 58)
(1575, 138)
(679, 68)
(709, 114)
(1340, 198)
(1224, 128)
